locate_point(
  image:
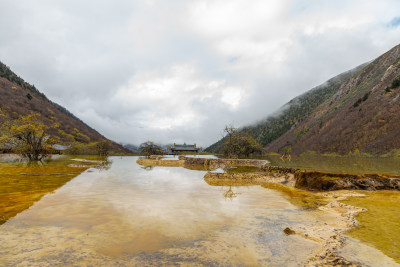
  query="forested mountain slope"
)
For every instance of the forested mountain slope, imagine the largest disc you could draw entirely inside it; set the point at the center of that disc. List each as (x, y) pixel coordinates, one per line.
(358, 109)
(292, 113)
(18, 97)
(363, 115)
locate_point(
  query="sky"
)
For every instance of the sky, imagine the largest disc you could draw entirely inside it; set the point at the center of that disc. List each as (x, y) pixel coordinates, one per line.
(180, 70)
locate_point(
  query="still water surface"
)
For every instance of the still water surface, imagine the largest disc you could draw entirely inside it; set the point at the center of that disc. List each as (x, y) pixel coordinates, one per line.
(127, 215)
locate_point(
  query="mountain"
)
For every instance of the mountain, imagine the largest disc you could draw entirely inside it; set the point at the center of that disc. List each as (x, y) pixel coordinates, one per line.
(132, 148)
(355, 111)
(18, 97)
(136, 149)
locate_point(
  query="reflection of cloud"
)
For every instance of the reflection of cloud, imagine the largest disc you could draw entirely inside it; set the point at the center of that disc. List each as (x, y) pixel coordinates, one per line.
(179, 71)
(168, 199)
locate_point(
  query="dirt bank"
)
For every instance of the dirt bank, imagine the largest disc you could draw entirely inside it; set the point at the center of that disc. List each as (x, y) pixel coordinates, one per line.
(321, 181)
(337, 181)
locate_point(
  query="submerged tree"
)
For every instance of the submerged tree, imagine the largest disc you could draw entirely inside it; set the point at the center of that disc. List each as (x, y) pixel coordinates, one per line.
(28, 136)
(239, 144)
(149, 148)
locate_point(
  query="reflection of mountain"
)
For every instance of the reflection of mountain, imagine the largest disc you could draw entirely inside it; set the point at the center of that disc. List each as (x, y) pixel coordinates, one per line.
(19, 192)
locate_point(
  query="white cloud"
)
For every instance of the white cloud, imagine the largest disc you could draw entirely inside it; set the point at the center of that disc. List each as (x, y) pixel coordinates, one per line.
(181, 70)
(232, 97)
(172, 99)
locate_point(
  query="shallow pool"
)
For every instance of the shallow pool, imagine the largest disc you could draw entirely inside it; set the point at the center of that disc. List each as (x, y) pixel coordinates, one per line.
(127, 214)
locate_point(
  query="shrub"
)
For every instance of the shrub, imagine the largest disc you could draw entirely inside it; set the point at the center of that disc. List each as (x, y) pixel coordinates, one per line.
(358, 102)
(395, 83)
(365, 97)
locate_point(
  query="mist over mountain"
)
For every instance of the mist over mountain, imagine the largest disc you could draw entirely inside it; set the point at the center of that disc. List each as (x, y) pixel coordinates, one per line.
(356, 110)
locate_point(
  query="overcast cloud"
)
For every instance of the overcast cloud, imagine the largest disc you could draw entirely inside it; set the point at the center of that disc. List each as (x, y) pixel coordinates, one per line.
(178, 71)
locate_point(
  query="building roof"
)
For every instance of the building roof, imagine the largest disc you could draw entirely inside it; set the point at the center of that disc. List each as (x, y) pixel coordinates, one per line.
(185, 147)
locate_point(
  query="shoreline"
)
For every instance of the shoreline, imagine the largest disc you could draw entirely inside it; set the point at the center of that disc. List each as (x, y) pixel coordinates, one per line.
(331, 236)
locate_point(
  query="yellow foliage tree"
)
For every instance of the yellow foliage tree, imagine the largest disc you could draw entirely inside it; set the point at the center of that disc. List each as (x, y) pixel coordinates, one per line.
(28, 136)
(240, 144)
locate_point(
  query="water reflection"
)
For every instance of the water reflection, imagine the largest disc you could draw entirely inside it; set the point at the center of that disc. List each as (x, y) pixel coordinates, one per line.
(147, 168)
(127, 215)
(19, 192)
(22, 183)
(229, 194)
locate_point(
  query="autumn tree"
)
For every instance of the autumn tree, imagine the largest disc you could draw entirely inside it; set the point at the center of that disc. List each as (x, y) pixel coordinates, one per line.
(239, 144)
(27, 136)
(149, 148)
